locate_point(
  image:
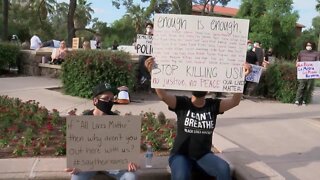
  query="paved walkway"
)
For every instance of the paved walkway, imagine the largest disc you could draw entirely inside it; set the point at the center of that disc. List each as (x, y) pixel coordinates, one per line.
(261, 139)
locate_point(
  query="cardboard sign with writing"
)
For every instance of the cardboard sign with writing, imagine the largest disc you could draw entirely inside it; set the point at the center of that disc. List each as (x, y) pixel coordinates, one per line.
(255, 74)
(308, 70)
(144, 45)
(75, 43)
(102, 142)
(199, 52)
(93, 44)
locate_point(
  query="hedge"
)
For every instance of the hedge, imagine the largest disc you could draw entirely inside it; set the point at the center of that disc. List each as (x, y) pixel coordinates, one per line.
(8, 55)
(82, 70)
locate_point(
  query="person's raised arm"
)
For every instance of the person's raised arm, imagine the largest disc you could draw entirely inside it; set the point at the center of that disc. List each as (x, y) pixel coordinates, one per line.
(227, 104)
(169, 99)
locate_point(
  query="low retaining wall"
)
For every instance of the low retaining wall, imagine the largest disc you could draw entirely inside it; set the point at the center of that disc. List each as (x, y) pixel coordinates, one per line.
(30, 63)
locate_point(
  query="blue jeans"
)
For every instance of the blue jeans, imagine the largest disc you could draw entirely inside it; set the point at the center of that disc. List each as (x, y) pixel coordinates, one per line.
(121, 175)
(182, 166)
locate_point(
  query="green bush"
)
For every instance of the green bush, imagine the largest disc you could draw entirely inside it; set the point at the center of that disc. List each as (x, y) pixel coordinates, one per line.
(280, 82)
(82, 70)
(8, 55)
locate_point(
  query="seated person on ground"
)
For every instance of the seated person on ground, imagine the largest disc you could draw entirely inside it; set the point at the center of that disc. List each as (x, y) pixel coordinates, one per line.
(58, 54)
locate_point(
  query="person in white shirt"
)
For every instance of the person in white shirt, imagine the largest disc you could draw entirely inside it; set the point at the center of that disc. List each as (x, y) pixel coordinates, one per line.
(35, 42)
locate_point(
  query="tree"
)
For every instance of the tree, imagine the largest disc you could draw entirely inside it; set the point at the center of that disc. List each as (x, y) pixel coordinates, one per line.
(181, 6)
(5, 11)
(71, 29)
(136, 13)
(213, 3)
(273, 23)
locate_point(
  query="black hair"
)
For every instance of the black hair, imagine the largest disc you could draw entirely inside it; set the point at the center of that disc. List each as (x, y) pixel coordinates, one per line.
(313, 45)
(149, 23)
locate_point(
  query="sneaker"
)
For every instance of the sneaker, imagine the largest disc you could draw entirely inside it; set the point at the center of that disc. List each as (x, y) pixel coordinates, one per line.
(297, 103)
(304, 103)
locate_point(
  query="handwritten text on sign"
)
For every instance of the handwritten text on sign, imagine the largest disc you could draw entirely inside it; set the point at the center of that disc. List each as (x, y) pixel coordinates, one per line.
(255, 74)
(199, 52)
(144, 45)
(308, 70)
(102, 142)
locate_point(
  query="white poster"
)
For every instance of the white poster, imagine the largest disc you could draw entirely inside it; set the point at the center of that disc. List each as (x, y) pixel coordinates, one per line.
(144, 45)
(308, 70)
(93, 44)
(199, 52)
(255, 74)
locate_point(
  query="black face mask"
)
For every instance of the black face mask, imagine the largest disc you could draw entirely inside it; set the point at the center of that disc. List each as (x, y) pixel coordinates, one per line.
(105, 106)
(199, 94)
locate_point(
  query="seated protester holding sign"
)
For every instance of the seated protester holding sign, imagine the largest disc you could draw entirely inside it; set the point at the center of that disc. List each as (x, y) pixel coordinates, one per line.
(196, 120)
(58, 54)
(103, 95)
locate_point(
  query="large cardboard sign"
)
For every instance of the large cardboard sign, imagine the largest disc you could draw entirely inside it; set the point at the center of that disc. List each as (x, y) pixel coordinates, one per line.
(308, 70)
(102, 142)
(199, 52)
(144, 45)
(255, 74)
(75, 43)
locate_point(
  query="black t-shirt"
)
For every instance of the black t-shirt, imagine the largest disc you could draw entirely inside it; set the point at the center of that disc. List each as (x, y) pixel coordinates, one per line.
(90, 112)
(251, 57)
(195, 127)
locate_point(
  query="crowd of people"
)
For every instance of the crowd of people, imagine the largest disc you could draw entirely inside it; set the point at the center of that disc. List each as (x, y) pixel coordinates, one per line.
(192, 146)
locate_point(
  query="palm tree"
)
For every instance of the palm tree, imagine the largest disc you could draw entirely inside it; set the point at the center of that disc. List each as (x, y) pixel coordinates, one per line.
(137, 14)
(83, 14)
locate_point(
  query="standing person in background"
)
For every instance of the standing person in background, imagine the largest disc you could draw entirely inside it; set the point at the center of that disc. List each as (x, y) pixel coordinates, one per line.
(35, 42)
(115, 45)
(143, 74)
(251, 58)
(196, 120)
(259, 52)
(103, 95)
(97, 38)
(309, 54)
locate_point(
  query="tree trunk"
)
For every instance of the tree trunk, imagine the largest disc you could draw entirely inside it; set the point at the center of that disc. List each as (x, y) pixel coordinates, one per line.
(204, 7)
(71, 29)
(5, 10)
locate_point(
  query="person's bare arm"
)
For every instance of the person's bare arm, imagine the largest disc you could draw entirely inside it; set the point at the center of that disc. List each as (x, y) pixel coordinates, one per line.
(227, 104)
(169, 99)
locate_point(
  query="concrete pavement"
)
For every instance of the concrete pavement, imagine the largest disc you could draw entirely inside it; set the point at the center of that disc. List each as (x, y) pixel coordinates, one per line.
(261, 139)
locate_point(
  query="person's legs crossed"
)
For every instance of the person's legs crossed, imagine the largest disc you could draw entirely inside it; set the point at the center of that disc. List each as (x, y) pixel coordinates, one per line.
(180, 167)
(215, 166)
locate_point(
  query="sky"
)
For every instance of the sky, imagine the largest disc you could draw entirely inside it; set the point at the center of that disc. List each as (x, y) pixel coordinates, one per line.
(108, 13)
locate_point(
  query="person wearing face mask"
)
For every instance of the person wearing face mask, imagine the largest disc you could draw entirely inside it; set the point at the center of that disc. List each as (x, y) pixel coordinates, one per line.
(309, 54)
(196, 120)
(251, 58)
(143, 74)
(103, 95)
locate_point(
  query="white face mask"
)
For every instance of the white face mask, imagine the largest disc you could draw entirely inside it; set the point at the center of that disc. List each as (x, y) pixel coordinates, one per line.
(309, 48)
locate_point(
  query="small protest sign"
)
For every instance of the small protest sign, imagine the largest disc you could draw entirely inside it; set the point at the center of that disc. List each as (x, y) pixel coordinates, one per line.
(308, 70)
(199, 52)
(75, 43)
(144, 45)
(102, 142)
(255, 74)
